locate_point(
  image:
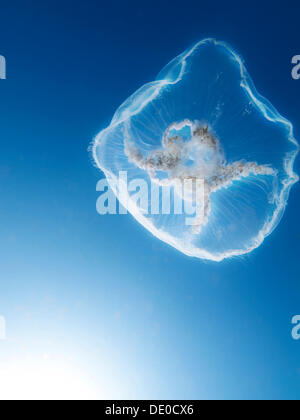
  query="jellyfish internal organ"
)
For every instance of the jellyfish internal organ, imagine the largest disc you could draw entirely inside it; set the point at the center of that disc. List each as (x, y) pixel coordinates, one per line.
(201, 157)
(203, 119)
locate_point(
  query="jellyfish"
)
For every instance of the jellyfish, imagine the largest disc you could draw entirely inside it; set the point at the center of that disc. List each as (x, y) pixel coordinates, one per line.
(202, 119)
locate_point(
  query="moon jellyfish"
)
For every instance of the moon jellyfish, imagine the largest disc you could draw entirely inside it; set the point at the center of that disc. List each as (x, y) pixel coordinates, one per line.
(202, 119)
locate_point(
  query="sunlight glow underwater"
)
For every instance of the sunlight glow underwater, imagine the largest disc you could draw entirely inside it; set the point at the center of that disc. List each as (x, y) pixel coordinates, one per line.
(203, 118)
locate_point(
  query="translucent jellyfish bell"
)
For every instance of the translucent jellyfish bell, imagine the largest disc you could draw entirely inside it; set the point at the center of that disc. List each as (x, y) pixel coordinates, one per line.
(202, 119)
